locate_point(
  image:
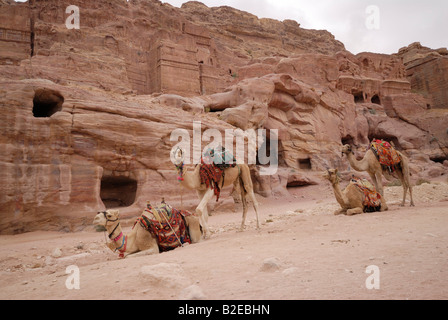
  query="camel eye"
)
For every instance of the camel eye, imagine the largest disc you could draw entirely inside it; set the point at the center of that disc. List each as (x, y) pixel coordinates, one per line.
(109, 215)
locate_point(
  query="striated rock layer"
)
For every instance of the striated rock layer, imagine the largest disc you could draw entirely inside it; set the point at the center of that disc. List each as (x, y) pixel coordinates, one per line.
(87, 114)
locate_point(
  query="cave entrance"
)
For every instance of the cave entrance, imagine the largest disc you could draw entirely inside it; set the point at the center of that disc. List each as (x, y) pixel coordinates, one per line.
(118, 192)
(348, 140)
(305, 164)
(359, 96)
(46, 102)
(439, 159)
(376, 99)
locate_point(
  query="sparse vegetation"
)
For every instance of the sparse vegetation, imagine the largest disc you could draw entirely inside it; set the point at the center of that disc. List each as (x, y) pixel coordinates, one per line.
(422, 181)
(395, 183)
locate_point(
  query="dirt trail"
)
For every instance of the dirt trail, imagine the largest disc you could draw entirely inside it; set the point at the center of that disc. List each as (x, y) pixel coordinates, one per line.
(302, 251)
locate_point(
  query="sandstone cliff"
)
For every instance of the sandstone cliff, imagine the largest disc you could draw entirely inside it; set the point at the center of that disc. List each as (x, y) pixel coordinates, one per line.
(87, 113)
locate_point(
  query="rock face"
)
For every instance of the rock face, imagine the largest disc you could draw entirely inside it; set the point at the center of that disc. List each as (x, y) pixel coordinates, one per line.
(87, 114)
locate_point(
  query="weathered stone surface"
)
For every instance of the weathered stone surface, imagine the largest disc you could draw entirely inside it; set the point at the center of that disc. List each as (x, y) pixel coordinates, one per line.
(86, 115)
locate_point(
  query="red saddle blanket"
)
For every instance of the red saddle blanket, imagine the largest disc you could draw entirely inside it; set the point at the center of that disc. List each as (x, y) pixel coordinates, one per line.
(167, 224)
(372, 199)
(210, 176)
(386, 154)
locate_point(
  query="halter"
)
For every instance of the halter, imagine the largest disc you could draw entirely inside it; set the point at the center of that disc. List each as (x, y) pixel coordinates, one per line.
(122, 248)
(180, 165)
(109, 220)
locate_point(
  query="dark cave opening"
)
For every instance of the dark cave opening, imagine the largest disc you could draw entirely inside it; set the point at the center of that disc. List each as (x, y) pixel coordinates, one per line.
(47, 102)
(376, 99)
(117, 192)
(305, 164)
(359, 97)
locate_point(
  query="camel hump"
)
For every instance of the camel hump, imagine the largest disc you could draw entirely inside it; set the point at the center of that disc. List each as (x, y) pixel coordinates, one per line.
(159, 213)
(386, 154)
(220, 157)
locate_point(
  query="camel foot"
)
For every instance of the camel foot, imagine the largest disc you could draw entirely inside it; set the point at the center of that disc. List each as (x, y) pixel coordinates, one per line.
(206, 235)
(412, 205)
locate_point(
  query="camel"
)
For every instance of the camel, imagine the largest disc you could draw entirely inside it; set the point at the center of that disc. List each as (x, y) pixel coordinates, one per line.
(351, 198)
(238, 176)
(372, 166)
(139, 240)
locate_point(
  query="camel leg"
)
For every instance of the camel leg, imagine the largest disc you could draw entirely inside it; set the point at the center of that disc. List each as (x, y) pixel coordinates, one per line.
(255, 204)
(406, 185)
(404, 177)
(244, 201)
(201, 194)
(340, 211)
(354, 211)
(143, 253)
(410, 192)
(384, 206)
(375, 183)
(379, 183)
(201, 211)
(405, 191)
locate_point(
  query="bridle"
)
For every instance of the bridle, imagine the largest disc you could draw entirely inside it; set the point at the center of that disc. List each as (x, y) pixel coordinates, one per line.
(110, 220)
(180, 166)
(122, 248)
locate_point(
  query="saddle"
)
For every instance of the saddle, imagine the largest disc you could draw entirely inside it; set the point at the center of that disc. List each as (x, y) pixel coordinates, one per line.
(372, 199)
(386, 155)
(166, 224)
(213, 164)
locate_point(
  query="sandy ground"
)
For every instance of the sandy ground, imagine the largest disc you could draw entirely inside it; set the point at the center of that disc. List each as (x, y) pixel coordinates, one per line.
(302, 251)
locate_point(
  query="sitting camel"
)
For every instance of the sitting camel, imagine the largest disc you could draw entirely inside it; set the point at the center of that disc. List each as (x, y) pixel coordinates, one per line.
(238, 176)
(352, 198)
(372, 166)
(139, 239)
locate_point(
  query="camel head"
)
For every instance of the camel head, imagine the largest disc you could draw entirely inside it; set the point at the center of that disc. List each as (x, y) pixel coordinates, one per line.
(347, 149)
(105, 217)
(331, 175)
(177, 158)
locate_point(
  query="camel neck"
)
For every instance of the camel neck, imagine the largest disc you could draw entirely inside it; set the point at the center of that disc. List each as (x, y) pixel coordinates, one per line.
(115, 232)
(191, 179)
(338, 194)
(357, 165)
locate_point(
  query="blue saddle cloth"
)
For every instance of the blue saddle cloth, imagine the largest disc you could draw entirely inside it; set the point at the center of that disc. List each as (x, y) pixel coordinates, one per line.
(220, 157)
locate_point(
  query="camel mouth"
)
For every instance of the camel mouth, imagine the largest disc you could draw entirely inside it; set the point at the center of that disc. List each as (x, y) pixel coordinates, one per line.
(98, 220)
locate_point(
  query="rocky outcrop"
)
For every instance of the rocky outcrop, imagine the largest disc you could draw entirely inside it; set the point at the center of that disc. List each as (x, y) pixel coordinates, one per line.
(427, 71)
(87, 114)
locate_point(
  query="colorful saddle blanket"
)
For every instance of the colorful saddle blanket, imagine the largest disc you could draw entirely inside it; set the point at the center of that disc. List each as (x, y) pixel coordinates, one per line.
(372, 199)
(210, 176)
(213, 163)
(167, 224)
(386, 154)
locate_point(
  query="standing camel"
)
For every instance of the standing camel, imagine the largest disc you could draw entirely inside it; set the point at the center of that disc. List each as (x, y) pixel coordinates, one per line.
(240, 174)
(373, 167)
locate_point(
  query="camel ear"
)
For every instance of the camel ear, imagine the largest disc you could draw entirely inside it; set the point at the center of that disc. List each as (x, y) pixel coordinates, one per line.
(336, 171)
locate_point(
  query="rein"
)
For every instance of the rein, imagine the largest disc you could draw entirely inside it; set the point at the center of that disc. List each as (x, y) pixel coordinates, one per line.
(121, 248)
